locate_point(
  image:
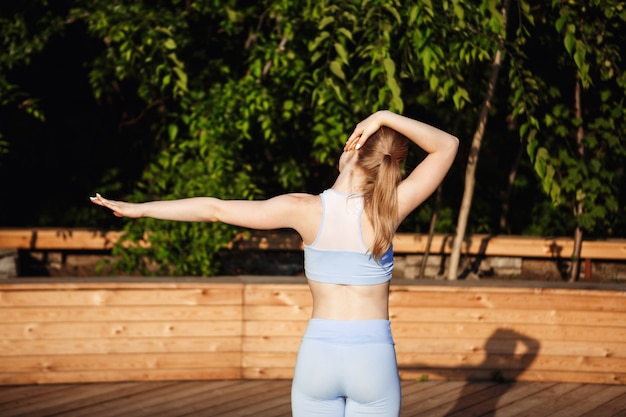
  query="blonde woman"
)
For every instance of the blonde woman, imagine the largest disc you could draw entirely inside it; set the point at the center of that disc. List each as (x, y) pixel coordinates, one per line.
(346, 363)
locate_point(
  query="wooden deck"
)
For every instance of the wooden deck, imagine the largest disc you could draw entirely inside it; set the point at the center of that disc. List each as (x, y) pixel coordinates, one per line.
(271, 398)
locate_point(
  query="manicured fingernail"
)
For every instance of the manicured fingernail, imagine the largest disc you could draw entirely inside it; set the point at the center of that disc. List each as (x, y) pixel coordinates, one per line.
(98, 195)
(358, 146)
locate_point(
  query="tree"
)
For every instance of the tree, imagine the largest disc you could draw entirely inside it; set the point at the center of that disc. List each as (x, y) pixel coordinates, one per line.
(475, 148)
(251, 99)
(579, 157)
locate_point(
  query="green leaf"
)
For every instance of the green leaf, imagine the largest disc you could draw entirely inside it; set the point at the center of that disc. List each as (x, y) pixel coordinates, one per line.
(169, 44)
(569, 41)
(341, 51)
(335, 68)
(327, 20)
(172, 131)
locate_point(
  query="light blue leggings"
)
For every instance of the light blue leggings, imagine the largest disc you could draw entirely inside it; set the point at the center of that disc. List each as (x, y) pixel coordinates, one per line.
(346, 368)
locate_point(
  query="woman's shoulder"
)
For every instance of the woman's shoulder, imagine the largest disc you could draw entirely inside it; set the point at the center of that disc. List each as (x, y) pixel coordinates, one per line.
(302, 197)
(299, 201)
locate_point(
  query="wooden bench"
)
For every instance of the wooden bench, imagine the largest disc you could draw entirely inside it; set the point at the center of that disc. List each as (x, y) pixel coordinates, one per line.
(504, 245)
(89, 330)
(67, 239)
(505, 255)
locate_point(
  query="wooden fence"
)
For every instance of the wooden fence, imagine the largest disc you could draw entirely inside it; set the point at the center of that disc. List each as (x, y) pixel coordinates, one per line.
(249, 327)
(499, 245)
(70, 251)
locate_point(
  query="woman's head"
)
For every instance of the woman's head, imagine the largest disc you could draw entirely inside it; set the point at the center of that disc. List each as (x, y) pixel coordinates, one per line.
(380, 159)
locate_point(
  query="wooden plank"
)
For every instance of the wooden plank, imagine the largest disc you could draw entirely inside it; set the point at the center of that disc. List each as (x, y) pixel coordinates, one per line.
(58, 400)
(277, 295)
(488, 395)
(12, 393)
(298, 313)
(76, 346)
(270, 372)
(269, 360)
(119, 283)
(542, 397)
(466, 364)
(614, 407)
(612, 301)
(28, 395)
(434, 397)
(484, 374)
(192, 401)
(439, 402)
(581, 406)
(52, 238)
(508, 287)
(120, 362)
(419, 399)
(105, 396)
(511, 362)
(207, 373)
(147, 297)
(110, 313)
(254, 397)
(519, 246)
(271, 343)
(272, 328)
(571, 375)
(555, 403)
(157, 394)
(491, 346)
(561, 332)
(606, 406)
(474, 315)
(120, 329)
(415, 393)
(495, 397)
(501, 245)
(260, 404)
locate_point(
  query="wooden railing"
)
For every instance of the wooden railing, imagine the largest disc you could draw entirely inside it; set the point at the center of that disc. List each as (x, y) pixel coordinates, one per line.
(88, 330)
(504, 245)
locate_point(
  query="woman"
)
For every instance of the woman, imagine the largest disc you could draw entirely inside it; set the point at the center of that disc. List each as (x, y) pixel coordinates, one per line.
(346, 364)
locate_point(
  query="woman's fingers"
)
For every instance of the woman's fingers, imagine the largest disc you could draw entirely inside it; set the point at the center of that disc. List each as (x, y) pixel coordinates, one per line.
(101, 201)
(362, 131)
(353, 139)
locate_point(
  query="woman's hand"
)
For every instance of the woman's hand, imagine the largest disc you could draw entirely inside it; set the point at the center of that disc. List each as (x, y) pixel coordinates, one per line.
(119, 208)
(364, 129)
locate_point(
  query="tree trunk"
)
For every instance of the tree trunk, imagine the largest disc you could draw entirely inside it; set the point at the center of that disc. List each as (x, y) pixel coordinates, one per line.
(578, 232)
(578, 244)
(431, 230)
(472, 160)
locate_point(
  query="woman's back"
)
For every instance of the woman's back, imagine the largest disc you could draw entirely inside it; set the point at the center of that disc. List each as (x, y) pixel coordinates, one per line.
(346, 282)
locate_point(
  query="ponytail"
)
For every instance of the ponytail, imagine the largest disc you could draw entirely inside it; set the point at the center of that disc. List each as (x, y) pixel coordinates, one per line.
(381, 158)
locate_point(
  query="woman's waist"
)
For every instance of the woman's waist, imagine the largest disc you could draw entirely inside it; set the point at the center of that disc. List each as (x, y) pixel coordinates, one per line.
(349, 331)
(344, 302)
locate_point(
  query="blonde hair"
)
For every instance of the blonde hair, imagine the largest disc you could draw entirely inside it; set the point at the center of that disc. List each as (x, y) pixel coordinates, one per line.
(381, 158)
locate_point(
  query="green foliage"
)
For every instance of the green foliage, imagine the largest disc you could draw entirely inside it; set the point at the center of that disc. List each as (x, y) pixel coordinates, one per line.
(588, 173)
(23, 37)
(250, 99)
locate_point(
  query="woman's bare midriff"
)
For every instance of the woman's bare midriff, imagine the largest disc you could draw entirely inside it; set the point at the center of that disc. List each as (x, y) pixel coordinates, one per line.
(350, 302)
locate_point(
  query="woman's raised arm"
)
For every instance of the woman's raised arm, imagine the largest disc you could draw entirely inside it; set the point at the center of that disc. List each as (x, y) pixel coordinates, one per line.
(440, 146)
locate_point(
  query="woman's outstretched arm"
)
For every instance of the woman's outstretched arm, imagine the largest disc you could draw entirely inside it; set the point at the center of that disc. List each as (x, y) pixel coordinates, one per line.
(294, 211)
(440, 146)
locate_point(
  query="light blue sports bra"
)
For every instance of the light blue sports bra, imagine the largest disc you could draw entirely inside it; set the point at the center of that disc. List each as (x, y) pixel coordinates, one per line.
(339, 255)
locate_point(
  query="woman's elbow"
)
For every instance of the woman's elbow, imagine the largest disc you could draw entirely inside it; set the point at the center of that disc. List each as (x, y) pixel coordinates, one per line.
(452, 144)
